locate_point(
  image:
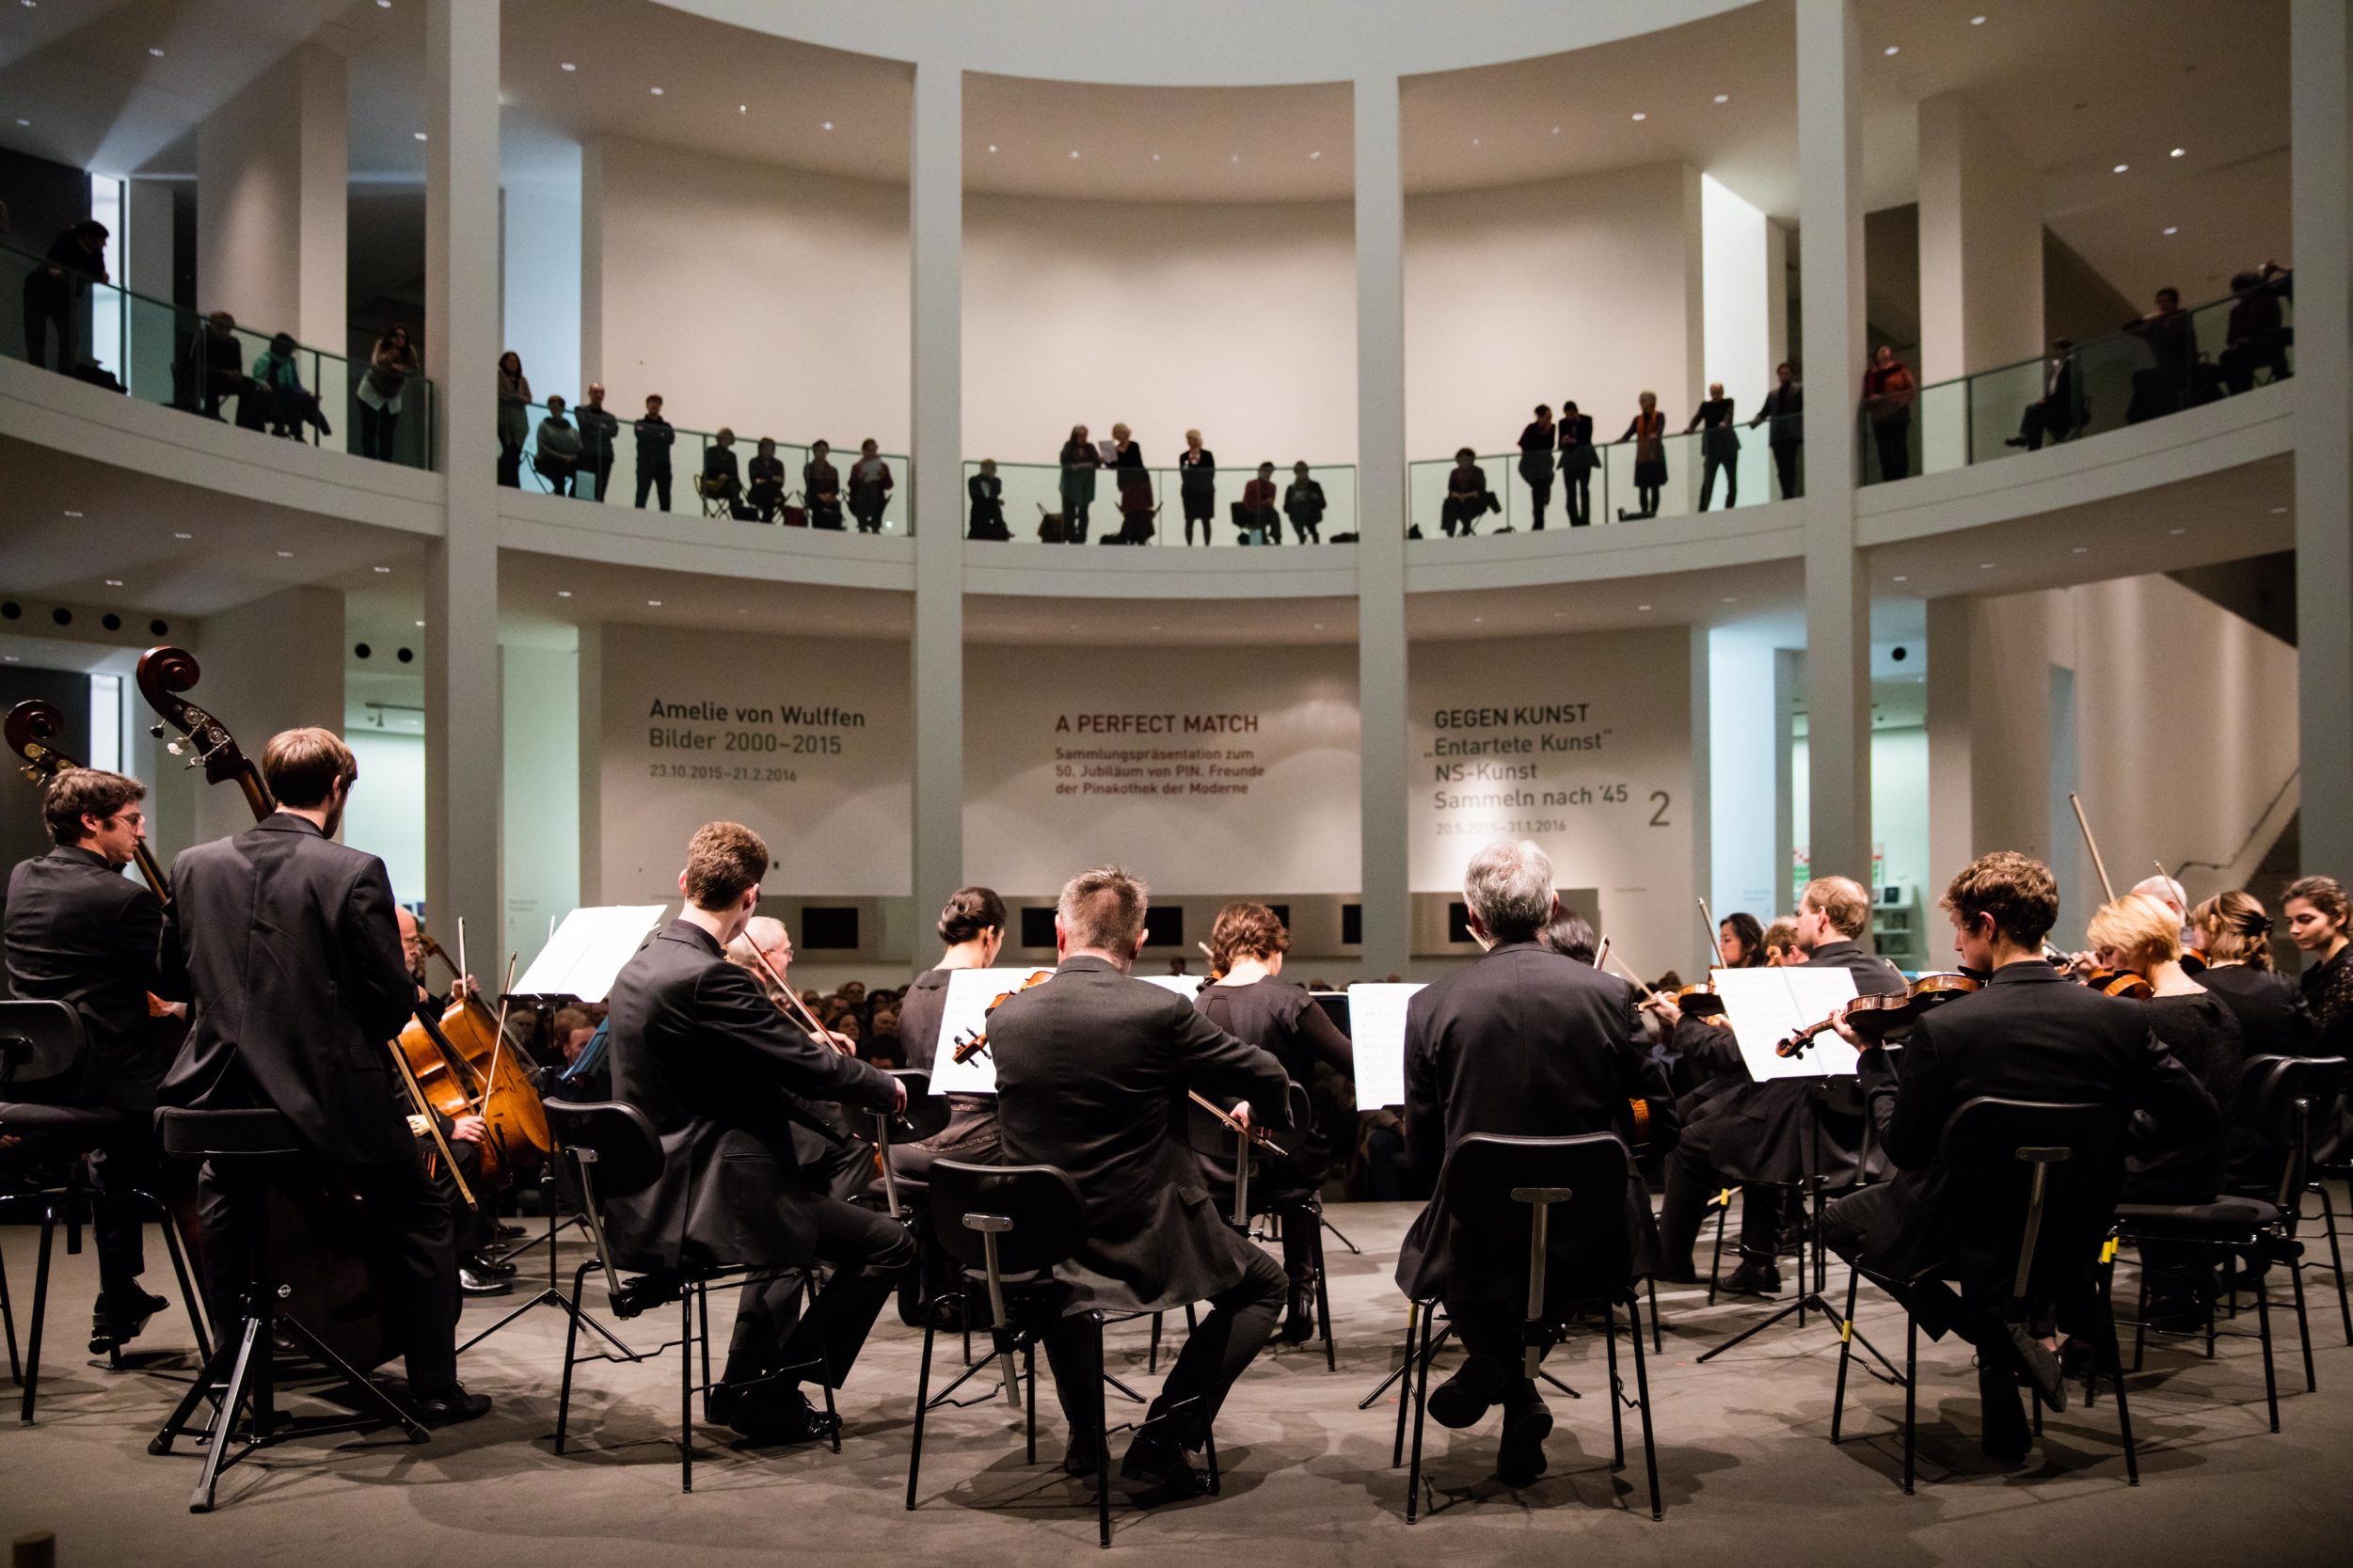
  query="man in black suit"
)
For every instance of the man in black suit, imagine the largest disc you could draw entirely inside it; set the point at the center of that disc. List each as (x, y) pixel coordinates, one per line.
(81, 932)
(1526, 1041)
(727, 1079)
(285, 944)
(1769, 1132)
(1784, 405)
(2030, 1034)
(1091, 1067)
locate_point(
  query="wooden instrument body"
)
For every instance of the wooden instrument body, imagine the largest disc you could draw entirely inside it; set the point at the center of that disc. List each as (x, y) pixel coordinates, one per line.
(1877, 1015)
(456, 1061)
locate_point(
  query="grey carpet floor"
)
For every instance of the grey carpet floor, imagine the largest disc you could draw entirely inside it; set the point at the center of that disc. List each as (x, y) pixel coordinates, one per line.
(1747, 1474)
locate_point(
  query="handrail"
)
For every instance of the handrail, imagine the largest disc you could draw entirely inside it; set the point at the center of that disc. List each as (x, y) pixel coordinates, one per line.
(2089, 345)
(2249, 842)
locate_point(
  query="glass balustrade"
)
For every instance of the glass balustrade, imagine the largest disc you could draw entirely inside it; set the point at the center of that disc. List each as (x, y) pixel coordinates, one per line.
(156, 352)
(2154, 368)
(697, 476)
(1032, 506)
(1743, 478)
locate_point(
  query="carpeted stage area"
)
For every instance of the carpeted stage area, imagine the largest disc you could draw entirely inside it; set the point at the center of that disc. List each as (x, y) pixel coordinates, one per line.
(1748, 1476)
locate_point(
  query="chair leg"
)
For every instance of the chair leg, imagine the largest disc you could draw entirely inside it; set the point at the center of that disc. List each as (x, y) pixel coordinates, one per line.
(1421, 1414)
(1030, 1414)
(1323, 1295)
(1405, 1384)
(2303, 1329)
(686, 1391)
(41, 1314)
(1642, 1400)
(1846, 1353)
(189, 1301)
(8, 1323)
(2140, 1317)
(2116, 1370)
(1715, 1262)
(1657, 1324)
(571, 1346)
(2263, 1322)
(2336, 1260)
(923, 1400)
(1102, 1445)
(1152, 1358)
(1617, 1408)
(1911, 1396)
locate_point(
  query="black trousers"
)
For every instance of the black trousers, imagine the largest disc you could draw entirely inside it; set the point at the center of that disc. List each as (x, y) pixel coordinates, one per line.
(1241, 1320)
(1692, 1176)
(602, 469)
(1539, 495)
(472, 1225)
(48, 306)
(867, 1251)
(375, 431)
(125, 1165)
(1785, 466)
(1893, 436)
(1730, 469)
(653, 478)
(410, 1240)
(1493, 1333)
(1577, 494)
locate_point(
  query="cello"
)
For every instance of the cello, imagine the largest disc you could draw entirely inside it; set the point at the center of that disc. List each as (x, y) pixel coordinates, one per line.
(467, 1067)
(328, 1280)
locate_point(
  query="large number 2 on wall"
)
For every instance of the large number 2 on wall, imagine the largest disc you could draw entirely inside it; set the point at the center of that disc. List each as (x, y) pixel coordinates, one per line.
(1659, 818)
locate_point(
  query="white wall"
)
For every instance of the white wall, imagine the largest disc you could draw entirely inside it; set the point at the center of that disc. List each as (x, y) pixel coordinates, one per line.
(273, 664)
(540, 311)
(763, 298)
(539, 691)
(272, 168)
(386, 817)
(1738, 276)
(1587, 289)
(1745, 870)
(1238, 320)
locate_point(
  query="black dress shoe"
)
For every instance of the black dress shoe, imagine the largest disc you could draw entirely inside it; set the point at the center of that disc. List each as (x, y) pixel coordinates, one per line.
(471, 1284)
(450, 1407)
(1084, 1456)
(1520, 1459)
(1465, 1397)
(1161, 1471)
(118, 1319)
(1298, 1324)
(487, 1269)
(1753, 1278)
(509, 1233)
(2041, 1368)
(766, 1416)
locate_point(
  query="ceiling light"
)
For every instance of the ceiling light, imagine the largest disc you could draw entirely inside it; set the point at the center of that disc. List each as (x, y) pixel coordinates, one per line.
(1891, 49)
(2120, 168)
(285, 555)
(384, 5)
(1318, 626)
(72, 514)
(23, 121)
(1234, 157)
(157, 53)
(1977, 21)
(1985, 565)
(1314, 156)
(2277, 510)
(2172, 229)
(419, 136)
(2081, 549)
(2181, 152)
(1155, 157)
(1639, 114)
(1556, 130)
(1641, 607)
(1478, 620)
(420, 624)
(114, 582)
(569, 66)
(825, 125)
(993, 147)
(1731, 599)
(656, 92)
(744, 108)
(1073, 151)
(383, 571)
(1724, 98)
(2177, 530)
(564, 592)
(653, 604)
(184, 536)
(1902, 577)
(1476, 142)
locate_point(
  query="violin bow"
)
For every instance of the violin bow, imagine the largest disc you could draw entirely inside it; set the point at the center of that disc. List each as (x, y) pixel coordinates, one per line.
(792, 1003)
(2092, 844)
(1715, 936)
(498, 1043)
(1256, 1135)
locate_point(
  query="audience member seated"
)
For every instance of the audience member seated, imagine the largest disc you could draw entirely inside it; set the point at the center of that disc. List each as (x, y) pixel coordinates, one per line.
(766, 492)
(820, 488)
(1254, 514)
(722, 481)
(1467, 498)
(558, 460)
(1303, 503)
(987, 494)
(212, 368)
(277, 369)
(2052, 415)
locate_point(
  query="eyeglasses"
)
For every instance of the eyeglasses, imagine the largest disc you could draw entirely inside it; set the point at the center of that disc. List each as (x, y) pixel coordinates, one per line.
(134, 819)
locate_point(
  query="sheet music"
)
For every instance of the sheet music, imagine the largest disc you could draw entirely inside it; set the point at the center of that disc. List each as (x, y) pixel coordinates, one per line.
(1377, 1019)
(585, 953)
(1767, 1005)
(969, 994)
(1187, 986)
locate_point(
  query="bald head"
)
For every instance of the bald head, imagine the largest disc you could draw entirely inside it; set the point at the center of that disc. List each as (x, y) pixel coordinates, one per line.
(764, 936)
(2166, 890)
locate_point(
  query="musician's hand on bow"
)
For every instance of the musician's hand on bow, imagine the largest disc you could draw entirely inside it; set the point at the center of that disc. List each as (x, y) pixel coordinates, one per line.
(1669, 1014)
(1241, 1114)
(841, 1043)
(465, 989)
(472, 1130)
(898, 1096)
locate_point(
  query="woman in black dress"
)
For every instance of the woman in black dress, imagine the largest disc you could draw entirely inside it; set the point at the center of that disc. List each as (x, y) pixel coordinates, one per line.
(972, 927)
(1197, 485)
(1577, 462)
(1536, 462)
(2235, 934)
(1648, 432)
(2316, 908)
(1250, 1002)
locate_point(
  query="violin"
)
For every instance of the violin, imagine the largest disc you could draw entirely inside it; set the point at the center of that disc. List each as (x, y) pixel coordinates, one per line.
(974, 1042)
(32, 726)
(1876, 1016)
(1695, 1001)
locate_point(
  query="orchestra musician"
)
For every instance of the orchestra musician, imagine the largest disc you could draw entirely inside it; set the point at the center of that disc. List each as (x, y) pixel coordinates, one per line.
(1769, 1132)
(839, 1165)
(1250, 1002)
(2316, 911)
(1523, 1041)
(973, 925)
(285, 944)
(2025, 1035)
(1088, 1068)
(81, 932)
(724, 1077)
(474, 1223)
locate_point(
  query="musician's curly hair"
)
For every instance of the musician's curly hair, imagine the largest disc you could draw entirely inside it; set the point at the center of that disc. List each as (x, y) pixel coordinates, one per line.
(2017, 891)
(79, 792)
(1245, 930)
(723, 861)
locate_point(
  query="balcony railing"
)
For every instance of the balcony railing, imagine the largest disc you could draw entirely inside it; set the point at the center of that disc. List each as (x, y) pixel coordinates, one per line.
(159, 353)
(1149, 506)
(1745, 477)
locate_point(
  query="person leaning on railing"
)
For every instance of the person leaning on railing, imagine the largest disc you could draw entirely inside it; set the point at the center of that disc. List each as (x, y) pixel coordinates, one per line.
(987, 495)
(514, 401)
(77, 258)
(1889, 390)
(2257, 338)
(557, 458)
(390, 364)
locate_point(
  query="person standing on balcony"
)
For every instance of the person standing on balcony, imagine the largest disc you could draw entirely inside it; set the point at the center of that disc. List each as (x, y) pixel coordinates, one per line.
(77, 258)
(514, 401)
(1197, 485)
(1784, 405)
(1578, 461)
(1718, 448)
(559, 459)
(654, 438)
(1079, 462)
(987, 495)
(599, 430)
(1647, 430)
(1536, 462)
(2173, 338)
(390, 364)
(870, 485)
(1889, 391)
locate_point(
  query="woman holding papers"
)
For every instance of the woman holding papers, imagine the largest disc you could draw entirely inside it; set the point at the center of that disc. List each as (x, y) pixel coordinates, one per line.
(1252, 1003)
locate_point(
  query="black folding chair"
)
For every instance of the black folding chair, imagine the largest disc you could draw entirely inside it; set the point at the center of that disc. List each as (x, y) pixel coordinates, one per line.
(1580, 1248)
(614, 1151)
(1262, 1194)
(2041, 1182)
(43, 1053)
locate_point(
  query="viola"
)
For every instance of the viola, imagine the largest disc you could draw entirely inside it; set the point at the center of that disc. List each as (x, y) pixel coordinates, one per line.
(1879, 1015)
(974, 1042)
(2118, 982)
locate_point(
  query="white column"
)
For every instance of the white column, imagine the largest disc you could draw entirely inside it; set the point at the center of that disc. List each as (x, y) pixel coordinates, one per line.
(1952, 795)
(936, 224)
(2323, 426)
(273, 170)
(149, 259)
(1384, 877)
(1838, 592)
(1981, 244)
(463, 742)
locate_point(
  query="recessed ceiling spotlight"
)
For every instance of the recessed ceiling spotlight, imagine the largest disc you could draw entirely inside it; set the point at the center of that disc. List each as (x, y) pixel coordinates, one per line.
(1476, 142)
(1641, 607)
(285, 555)
(2172, 229)
(2177, 530)
(421, 623)
(1902, 577)
(656, 92)
(157, 53)
(1318, 626)
(72, 514)
(1556, 130)
(1724, 98)
(744, 108)
(383, 571)
(1985, 565)
(1639, 114)
(564, 592)
(2181, 153)
(1977, 21)
(1312, 156)
(1155, 157)
(1234, 157)
(2120, 168)
(1073, 151)
(419, 135)
(2081, 549)
(1478, 620)
(993, 147)
(114, 582)
(1731, 599)
(1891, 49)
(653, 604)
(825, 125)
(569, 66)
(184, 535)
(2277, 510)
(21, 120)
(384, 5)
